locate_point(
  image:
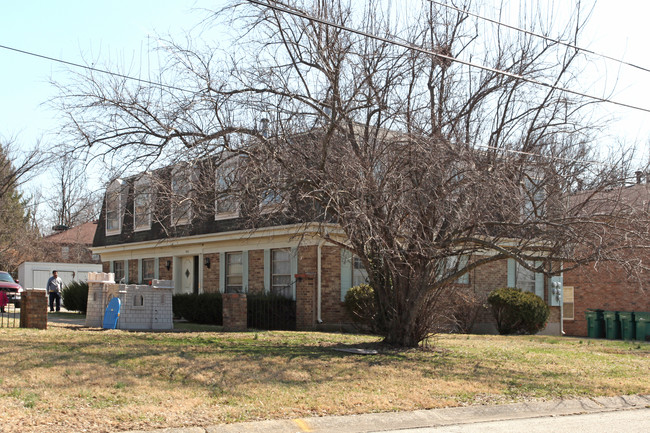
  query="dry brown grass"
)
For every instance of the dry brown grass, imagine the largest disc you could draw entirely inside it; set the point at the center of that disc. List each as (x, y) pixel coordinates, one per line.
(71, 380)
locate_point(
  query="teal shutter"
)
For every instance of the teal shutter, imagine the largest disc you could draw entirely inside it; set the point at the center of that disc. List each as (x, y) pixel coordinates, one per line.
(110, 266)
(346, 272)
(294, 269)
(512, 266)
(539, 282)
(126, 272)
(140, 271)
(156, 271)
(267, 271)
(244, 271)
(222, 272)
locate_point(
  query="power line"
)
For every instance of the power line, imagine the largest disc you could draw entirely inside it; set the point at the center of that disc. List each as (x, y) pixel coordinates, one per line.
(528, 32)
(91, 68)
(443, 56)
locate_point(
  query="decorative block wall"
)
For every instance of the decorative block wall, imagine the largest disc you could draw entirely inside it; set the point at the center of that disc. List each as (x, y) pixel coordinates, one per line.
(101, 289)
(143, 307)
(33, 309)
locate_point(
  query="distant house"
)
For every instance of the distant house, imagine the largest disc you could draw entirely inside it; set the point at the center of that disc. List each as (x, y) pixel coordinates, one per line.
(66, 251)
(71, 245)
(143, 234)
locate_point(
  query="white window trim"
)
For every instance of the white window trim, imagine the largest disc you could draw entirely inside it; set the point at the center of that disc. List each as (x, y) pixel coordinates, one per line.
(142, 183)
(144, 277)
(227, 269)
(287, 287)
(115, 186)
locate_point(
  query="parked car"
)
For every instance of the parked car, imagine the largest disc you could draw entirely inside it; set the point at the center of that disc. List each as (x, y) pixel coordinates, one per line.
(11, 287)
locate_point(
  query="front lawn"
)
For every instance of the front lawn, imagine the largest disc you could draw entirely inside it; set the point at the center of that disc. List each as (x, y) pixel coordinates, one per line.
(69, 379)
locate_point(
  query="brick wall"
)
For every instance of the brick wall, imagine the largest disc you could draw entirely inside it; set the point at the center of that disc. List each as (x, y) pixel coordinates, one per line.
(33, 309)
(163, 273)
(305, 301)
(483, 280)
(255, 272)
(332, 308)
(211, 275)
(234, 312)
(134, 275)
(607, 287)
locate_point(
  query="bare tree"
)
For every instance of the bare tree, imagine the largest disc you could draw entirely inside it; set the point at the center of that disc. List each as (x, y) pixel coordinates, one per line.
(71, 202)
(429, 166)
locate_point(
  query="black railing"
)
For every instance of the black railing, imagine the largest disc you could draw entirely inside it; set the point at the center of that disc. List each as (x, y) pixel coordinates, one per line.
(271, 311)
(9, 316)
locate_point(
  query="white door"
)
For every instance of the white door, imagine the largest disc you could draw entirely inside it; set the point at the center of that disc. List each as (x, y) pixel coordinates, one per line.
(187, 274)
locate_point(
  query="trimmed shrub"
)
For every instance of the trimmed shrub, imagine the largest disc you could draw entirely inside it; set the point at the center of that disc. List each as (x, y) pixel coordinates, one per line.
(206, 308)
(270, 311)
(75, 296)
(361, 305)
(518, 312)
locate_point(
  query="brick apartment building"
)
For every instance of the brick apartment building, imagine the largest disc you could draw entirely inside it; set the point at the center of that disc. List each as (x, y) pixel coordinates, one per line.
(215, 253)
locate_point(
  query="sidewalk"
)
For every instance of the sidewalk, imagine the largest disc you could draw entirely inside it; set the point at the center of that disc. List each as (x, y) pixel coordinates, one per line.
(426, 418)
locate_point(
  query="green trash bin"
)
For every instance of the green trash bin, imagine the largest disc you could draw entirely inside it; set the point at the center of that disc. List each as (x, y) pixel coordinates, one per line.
(612, 325)
(642, 326)
(628, 326)
(595, 323)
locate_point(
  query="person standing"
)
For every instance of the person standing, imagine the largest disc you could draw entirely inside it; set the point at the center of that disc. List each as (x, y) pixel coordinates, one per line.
(54, 288)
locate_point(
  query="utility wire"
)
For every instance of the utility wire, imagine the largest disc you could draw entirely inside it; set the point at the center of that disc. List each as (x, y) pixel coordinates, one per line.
(410, 46)
(90, 68)
(528, 32)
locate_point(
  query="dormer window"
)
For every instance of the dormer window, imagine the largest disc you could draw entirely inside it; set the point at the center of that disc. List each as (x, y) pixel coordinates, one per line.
(225, 205)
(271, 201)
(182, 180)
(534, 198)
(114, 208)
(142, 203)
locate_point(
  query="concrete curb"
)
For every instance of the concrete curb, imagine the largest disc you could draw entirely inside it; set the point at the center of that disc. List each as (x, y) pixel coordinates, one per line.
(378, 422)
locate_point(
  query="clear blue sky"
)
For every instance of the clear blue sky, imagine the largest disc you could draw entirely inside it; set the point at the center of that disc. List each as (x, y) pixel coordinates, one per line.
(120, 31)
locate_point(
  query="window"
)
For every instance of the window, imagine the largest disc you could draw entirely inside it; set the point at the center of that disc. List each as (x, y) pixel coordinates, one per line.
(568, 309)
(524, 278)
(114, 207)
(142, 201)
(138, 301)
(234, 273)
(271, 201)
(359, 273)
(225, 205)
(65, 253)
(118, 270)
(534, 198)
(454, 264)
(147, 269)
(281, 272)
(182, 196)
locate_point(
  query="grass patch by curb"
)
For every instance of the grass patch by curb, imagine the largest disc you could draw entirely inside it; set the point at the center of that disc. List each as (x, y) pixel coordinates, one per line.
(70, 379)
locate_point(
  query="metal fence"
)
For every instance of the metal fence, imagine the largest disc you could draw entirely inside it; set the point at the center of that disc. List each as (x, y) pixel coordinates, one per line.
(10, 316)
(271, 312)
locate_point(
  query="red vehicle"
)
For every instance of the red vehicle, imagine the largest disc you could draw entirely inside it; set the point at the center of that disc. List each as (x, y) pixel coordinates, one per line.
(11, 287)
